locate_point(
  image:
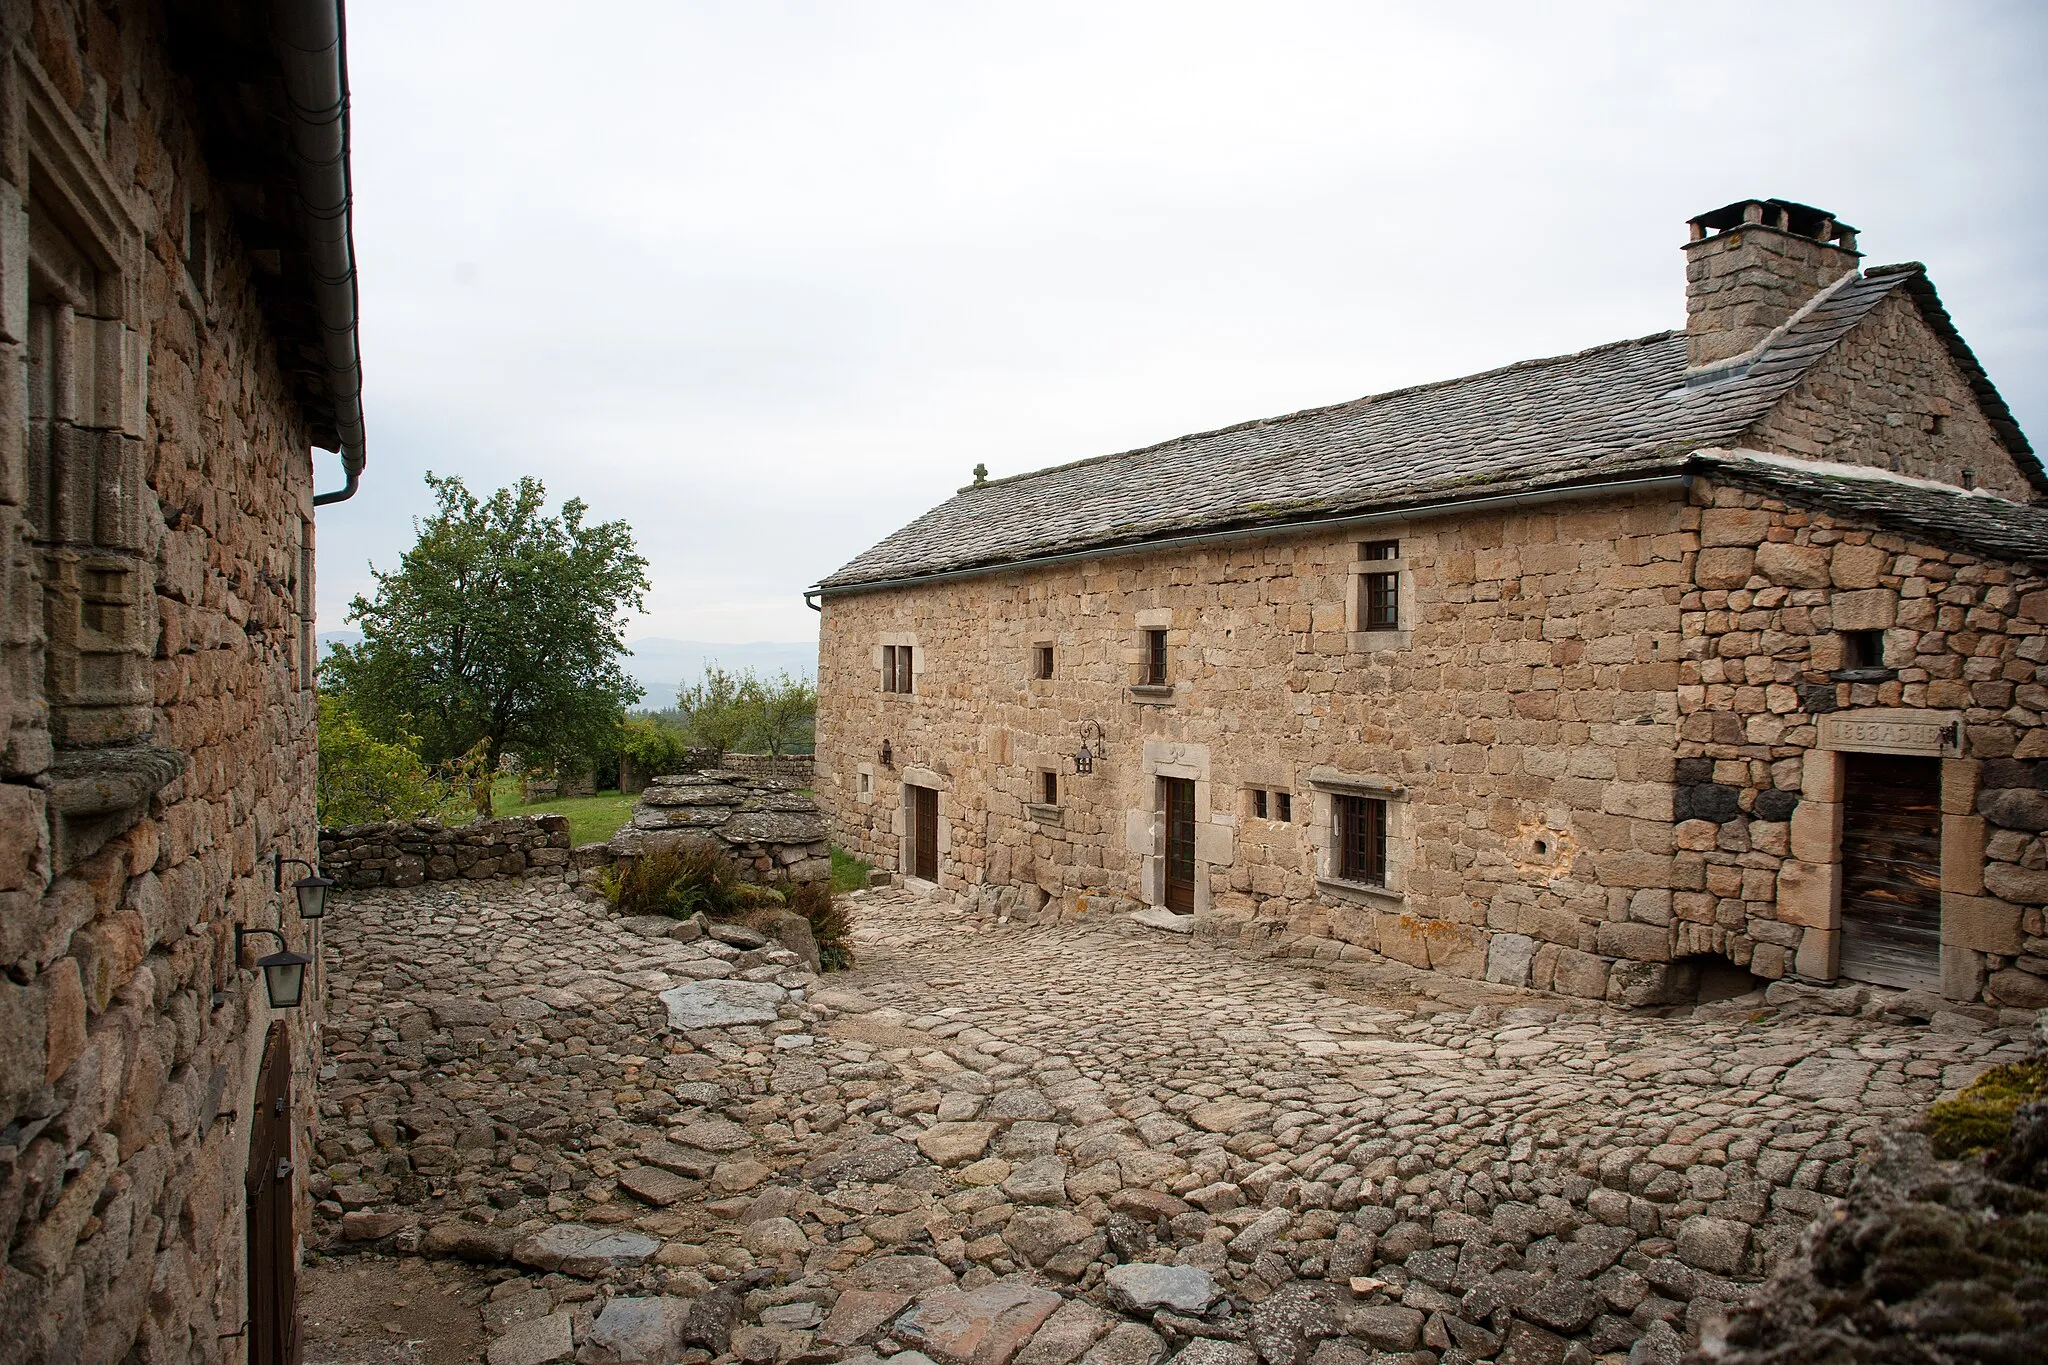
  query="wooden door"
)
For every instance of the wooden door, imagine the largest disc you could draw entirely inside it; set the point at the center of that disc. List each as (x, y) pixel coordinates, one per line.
(1891, 870)
(1177, 799)
(273, 1261)
(924, 833)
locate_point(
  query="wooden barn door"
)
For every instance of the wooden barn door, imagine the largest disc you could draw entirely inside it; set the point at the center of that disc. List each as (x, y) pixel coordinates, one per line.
(1891, 870)
(924, 833)
(1177, 799)
(273, 1264)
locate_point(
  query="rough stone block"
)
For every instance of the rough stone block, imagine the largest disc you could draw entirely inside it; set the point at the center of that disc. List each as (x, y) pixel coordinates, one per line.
(1639, 942)
(1858, 566)
(1962, 862)
(1821, 776)
(1871, 609)
(1816, 832)
(1820, 954)
(1810, 894)
(1508, 959)
(1981, 923)
(1793, 566)
(1734, 526)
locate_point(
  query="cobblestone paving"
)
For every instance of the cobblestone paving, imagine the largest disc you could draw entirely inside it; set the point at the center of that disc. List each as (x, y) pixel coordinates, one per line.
(976, 1144)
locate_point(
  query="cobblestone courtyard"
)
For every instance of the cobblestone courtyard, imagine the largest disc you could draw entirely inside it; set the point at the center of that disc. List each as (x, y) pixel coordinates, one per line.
(972, 1144)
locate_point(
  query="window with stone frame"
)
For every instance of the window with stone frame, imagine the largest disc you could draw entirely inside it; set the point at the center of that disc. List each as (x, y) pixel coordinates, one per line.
(898, 669)
(73, 305)
(1379, 594)
(1359, 839)
(1156, 659)
(1041, 662)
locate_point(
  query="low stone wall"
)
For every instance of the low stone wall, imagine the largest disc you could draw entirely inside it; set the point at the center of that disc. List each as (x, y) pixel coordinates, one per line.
(394, 854)
(795, 767)
(771, 828)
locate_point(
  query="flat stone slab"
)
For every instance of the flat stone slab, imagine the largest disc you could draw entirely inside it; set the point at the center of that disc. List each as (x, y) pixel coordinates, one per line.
(541, 1341)
(1139, 1287)
(721, 1004)
(984, 1326)
(653, 1185)
(951, 1144)
(858, 1315)
(586, 1252)
(1159, 917)
(904, 1273)
(636, 1331)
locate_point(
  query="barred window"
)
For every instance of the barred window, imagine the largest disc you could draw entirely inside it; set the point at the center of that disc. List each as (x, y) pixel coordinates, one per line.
(1155, 658)
(1361, 839)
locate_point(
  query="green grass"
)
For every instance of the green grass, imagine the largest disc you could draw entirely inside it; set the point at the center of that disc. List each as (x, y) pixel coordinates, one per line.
(592, 819)
(848, 872)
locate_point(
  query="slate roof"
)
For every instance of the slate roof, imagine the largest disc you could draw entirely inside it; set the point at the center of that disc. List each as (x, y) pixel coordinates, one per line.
(1928, 512)
(1615, 411)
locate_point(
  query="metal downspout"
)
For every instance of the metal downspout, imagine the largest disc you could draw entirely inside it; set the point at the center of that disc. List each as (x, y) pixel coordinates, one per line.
(310, 40)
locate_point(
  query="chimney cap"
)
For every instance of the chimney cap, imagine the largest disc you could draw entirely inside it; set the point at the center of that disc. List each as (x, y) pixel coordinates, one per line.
(1801, 220)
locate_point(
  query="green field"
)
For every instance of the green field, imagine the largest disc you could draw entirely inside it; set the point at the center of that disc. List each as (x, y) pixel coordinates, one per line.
(592, 819)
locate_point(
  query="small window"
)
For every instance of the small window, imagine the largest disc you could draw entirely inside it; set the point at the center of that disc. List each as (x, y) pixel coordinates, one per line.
(1361, 839)
(1863, 649)
(1155, 658)
(1041, 662)
(1258, 803)
(1284, 807)
(1379, 597)
(896, 668)
(867, 784)
(1049, 787)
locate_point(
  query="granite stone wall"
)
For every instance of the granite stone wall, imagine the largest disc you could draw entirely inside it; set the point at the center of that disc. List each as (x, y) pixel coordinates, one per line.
(1604, 739)
(156, 712)
(407, 854)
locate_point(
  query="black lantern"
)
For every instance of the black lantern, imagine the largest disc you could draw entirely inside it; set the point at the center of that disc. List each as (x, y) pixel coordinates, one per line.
(1084, 760)
(311, 889)
(284, 971)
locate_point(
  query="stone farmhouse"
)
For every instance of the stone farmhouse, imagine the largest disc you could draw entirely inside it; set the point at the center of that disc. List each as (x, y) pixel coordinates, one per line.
(177, 323)
(1641, 674)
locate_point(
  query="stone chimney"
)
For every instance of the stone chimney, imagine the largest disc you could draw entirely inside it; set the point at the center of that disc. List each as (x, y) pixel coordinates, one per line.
(1750, 266)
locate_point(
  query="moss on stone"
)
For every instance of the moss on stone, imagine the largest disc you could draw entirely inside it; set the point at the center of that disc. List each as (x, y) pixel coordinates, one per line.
(1980, 1116)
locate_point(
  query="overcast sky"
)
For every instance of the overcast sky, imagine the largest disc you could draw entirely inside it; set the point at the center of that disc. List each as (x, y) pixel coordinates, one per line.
(768, 280)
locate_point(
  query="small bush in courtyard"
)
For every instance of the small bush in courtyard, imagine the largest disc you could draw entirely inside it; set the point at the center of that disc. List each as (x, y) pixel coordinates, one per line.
(679, 881)
(848, 872)
(829, 923)
(1980, 1116)
(754, 896)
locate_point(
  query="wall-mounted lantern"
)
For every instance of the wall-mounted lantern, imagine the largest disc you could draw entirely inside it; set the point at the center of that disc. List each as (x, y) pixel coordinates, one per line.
(888, 756)
(284, 971)
(1091, 747)
(311, 889)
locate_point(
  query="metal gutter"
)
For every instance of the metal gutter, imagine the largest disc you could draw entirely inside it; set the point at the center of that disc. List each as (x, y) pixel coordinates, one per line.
(311, 41)
(1531, 498)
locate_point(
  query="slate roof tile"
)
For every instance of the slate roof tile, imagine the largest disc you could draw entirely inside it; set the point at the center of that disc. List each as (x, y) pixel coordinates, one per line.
(1627, 408)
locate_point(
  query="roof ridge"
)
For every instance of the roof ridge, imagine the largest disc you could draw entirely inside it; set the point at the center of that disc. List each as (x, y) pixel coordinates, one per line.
(1299, 413)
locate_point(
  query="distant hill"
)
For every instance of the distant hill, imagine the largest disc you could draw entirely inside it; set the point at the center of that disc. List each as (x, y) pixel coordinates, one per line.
(662, 666)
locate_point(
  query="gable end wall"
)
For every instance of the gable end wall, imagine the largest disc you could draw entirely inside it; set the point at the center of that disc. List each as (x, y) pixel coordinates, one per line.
(1874, 399)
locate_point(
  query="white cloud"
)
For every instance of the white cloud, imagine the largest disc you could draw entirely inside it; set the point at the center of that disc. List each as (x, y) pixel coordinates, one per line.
(768, 280)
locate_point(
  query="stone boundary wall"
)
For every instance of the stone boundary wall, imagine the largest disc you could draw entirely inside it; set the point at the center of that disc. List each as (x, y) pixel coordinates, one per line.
(795, 767)
(407, 854)
(770, 827)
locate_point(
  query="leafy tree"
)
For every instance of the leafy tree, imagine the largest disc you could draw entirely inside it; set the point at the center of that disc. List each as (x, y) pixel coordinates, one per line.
(785, 714)
(502, 627)
(654, 746)
(364, 779)
(720, 707)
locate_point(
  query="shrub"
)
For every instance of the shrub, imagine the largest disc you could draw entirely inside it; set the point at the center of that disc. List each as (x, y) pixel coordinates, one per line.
(754, 896)
(830, 924)
(676, 881)
(848, 872)
(653, 747)
(1980, 1116)
(363, 779)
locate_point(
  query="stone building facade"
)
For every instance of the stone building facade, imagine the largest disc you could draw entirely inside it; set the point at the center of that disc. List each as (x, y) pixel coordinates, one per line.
(169, 361)
(1698, 659)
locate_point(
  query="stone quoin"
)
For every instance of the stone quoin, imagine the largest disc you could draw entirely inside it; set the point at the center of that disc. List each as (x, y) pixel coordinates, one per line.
(1679, 664)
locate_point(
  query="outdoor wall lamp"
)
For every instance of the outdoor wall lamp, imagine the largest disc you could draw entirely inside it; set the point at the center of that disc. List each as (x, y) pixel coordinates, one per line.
(1084, 760)
(284, 971)
(1091, 747)
(312, 888)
